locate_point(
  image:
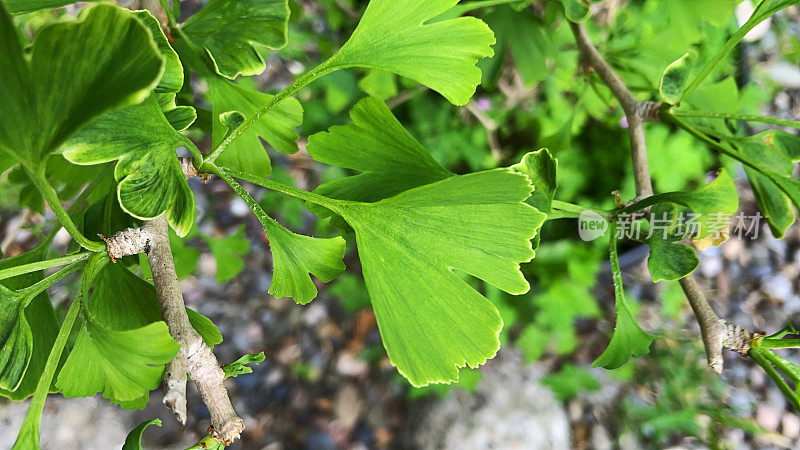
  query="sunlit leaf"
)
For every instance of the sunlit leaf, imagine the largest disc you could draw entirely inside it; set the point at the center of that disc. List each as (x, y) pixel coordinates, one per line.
(431, 321)
(276, 126)
(76, 71)
(393, 36)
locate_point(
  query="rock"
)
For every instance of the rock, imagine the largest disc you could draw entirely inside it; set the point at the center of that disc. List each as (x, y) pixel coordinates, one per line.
(510, 409)
(790, 425)
(768, 417)
(85, 423)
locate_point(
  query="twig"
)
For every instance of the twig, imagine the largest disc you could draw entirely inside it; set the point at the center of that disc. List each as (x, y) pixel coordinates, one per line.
(200, 363)
(631, 106)
(491, 129)
(717, 333)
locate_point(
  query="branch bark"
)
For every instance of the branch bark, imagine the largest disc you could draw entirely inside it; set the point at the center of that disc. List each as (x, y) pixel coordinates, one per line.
(195, 357)
(717, 333)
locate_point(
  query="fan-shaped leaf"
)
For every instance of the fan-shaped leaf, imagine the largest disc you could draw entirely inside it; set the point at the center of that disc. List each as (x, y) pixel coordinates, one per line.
(77, 70)
(431, 321)
(150, 177)
(276, 126)
(393, 36)
(234, 33)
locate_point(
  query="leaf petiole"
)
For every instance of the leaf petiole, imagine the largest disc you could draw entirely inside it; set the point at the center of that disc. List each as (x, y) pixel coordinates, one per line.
(573, 210)
(746, 117)
(50, 196)
(319, 71)
(29, 433)
(779, 343)
(228, 175)
(40, 265)
(35, 289)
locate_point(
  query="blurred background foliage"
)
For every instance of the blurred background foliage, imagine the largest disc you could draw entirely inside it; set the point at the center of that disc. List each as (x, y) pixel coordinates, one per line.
(535, 93)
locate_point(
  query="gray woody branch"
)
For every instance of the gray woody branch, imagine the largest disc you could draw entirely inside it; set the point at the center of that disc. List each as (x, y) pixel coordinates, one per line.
(717, 333)
(195, 357)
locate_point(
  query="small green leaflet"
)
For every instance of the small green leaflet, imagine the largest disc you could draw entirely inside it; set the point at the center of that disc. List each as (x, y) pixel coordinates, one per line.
(393, 36)
(713, 204)
(77, 70)
(241, 365)
(228, 252)
(540, 168)
(235, 33)
(276, 126)
(134, 439)
(431, 321)
(775, 153)
(575, 10)
(628, 338)
(675, 78)
(669, 259)
(294, 256)
(16, 339)
(150, 177)
(376, 144)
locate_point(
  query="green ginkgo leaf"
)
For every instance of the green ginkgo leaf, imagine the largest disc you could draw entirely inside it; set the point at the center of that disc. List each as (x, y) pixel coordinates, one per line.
(77, 70)
(123, 345)
(575, 10)
(675, 78)
(628, 340)
(235, 33)
(16, 339)
(172, 78)
(393, 36)
(431, 321)
(39, 317)
(150, 177)
(276, 126)
(134, 439)
(294, 256)
(669, 259)
(775, 153)
(376, 144)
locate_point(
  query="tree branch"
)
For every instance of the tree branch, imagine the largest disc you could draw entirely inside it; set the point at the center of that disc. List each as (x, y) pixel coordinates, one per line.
(196, 358)
(717, 333)
(633, 109)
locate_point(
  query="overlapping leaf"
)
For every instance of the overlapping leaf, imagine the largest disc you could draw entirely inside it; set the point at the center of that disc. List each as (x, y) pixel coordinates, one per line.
(150, 177)
(123, 345)
(669, 259)
(393, 36)
(77, 70)
(41, 323)
(16, 339)
(234, 33)
(376, 144)
(431, 321)
(773, 153)
(276, 126)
